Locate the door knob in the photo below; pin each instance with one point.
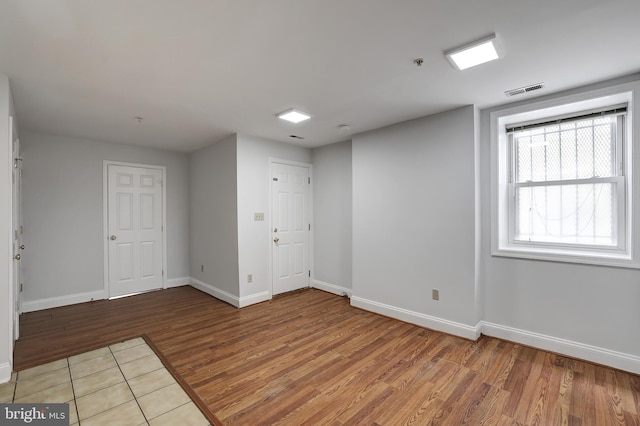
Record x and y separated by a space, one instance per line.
276 239
22 247
113 237
17 256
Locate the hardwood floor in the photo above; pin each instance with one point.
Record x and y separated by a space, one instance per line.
310 358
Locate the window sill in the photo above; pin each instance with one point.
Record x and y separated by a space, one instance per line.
619 260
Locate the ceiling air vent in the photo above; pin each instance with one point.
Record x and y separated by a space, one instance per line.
524 89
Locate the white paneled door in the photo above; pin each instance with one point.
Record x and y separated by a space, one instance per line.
290 227
134 229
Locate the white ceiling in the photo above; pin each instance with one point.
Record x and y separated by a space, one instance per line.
200 70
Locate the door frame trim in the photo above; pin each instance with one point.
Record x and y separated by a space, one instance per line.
13 312
16 188
105 217
309 167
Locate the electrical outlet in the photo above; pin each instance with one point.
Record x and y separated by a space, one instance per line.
250 278
435 294
258 217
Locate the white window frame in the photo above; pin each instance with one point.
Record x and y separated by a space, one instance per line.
627 254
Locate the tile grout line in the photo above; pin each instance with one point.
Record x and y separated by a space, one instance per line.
126 380
174 409
160 388
73 391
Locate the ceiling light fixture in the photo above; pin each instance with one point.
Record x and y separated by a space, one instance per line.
475 53
294 115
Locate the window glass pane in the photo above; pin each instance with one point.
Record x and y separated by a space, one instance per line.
584 145
603 148
523 158
568 142
553 156
538 158
575 214
574 150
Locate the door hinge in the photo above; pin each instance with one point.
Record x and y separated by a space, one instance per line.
309 181
21 287
17 306
309 272
163 272
309 227
275 179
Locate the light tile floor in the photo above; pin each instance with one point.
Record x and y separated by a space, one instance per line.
122 384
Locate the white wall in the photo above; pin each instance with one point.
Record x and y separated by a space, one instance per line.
214 223
414 221
63 213
253 196
332 219
6 250
564 303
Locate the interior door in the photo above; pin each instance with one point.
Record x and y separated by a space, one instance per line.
290 227
18 245
134 229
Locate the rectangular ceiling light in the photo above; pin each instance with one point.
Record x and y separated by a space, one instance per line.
294 116
475 53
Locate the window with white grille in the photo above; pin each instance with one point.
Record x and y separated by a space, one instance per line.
562 178
567 181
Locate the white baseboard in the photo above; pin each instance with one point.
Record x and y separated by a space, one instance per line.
423 320
252 299
72 299
54 302
570 348
178 282
238 302
331 288
215 292
5 372
622 361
